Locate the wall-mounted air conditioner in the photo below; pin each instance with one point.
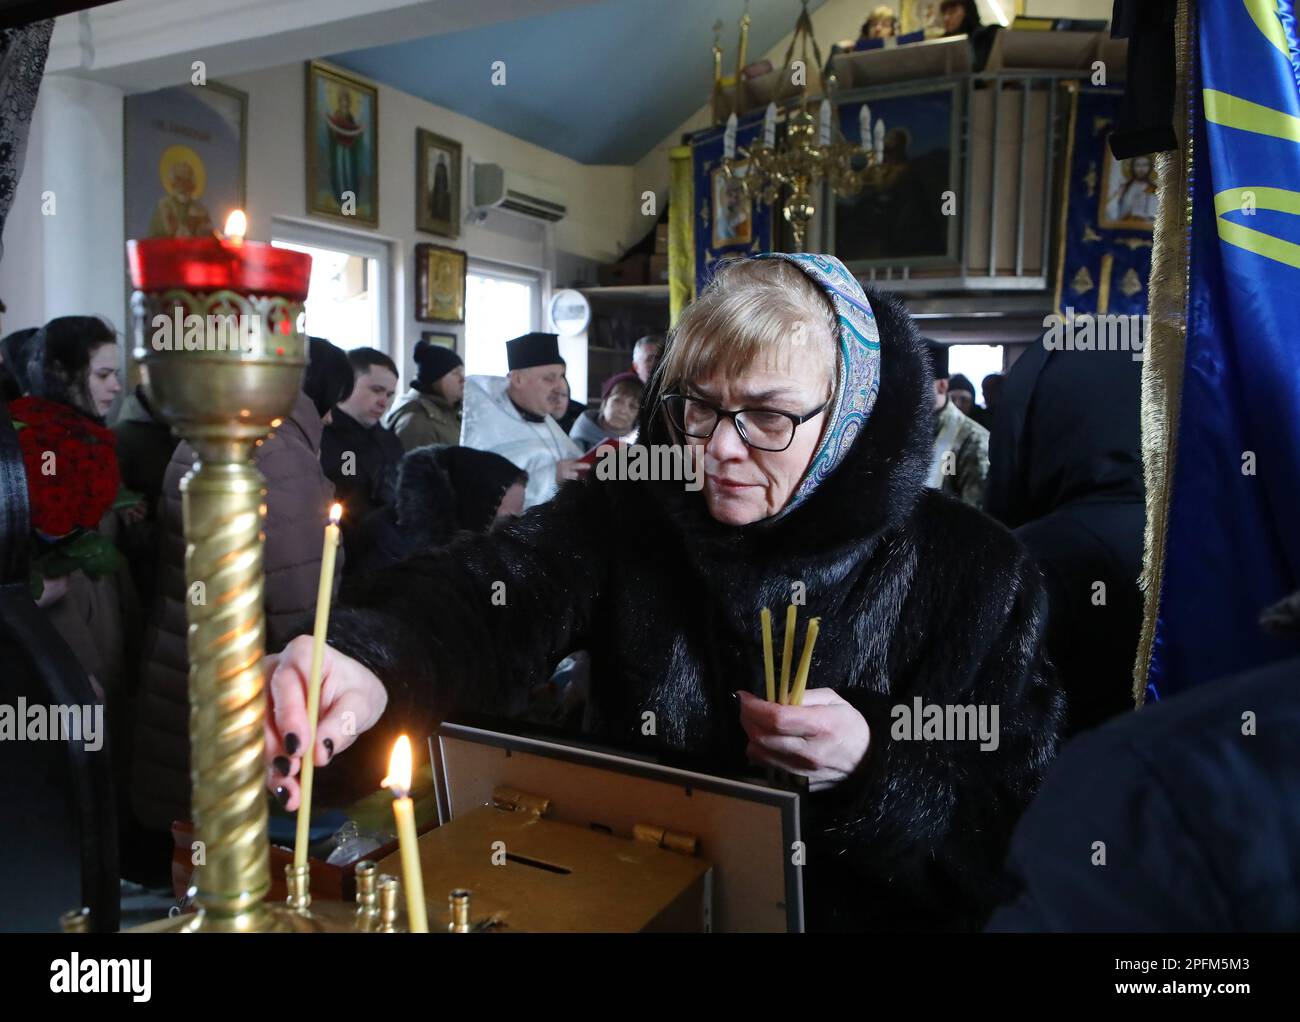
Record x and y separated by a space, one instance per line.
494 187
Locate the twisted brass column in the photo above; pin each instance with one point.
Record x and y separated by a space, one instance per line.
224 400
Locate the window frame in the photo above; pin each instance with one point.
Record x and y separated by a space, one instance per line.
295 232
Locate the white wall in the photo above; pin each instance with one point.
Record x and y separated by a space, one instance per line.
74 262
63 251
603 216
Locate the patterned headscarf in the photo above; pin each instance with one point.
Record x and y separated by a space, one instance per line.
858 379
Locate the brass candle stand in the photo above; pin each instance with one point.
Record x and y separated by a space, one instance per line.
224 400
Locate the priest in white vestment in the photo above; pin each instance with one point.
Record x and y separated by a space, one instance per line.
508 416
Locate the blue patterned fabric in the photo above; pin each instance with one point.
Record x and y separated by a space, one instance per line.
1232 547
859 365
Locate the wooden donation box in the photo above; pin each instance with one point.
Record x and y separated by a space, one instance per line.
550 837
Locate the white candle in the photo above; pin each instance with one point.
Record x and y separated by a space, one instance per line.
399 782
769 125
864 125
824 134
880 140
324 591
729 139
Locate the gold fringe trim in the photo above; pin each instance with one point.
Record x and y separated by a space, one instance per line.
681 232
1166 348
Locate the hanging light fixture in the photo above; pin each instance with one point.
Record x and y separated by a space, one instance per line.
813 148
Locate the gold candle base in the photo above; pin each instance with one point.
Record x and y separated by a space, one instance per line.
224 400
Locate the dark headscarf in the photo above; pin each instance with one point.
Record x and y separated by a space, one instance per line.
1067 429
479 479
329 376
14 352
58 360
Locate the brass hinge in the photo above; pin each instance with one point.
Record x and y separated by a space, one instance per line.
513 800
672 840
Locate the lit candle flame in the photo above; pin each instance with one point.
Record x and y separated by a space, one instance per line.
236 226
399 768
336 514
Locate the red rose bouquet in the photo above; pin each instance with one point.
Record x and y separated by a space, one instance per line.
72 482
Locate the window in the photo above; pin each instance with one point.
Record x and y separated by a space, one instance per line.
500 303
975 361
347 302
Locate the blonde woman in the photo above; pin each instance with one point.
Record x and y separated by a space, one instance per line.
808 403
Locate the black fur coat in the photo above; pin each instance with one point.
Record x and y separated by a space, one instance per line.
918 594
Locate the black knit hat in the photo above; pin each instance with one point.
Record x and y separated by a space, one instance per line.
433 362
535 349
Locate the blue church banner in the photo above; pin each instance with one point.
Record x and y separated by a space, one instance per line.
1104 260
726 222
1233 545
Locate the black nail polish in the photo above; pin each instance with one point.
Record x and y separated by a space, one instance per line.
281 763
291 743
329 747
282 795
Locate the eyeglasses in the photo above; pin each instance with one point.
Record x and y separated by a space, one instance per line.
763 429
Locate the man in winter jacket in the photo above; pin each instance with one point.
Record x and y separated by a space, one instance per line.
430 412
357 454
510 416
960 461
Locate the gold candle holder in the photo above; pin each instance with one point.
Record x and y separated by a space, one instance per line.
458 902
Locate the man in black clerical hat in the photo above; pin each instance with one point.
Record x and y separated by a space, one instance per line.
509 416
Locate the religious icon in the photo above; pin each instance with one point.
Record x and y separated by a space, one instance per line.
1128 193
437 193
732 216
439 284
190 141
179 213
342 146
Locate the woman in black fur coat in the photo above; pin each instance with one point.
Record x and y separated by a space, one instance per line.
819 488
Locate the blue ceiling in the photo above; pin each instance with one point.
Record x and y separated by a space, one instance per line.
602 84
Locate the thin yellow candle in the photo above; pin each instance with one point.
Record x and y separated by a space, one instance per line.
801 679
769 673
787 653
324 592
399 781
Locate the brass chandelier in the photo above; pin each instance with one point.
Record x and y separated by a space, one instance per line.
813 149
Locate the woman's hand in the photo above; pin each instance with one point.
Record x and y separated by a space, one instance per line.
823 740
352 700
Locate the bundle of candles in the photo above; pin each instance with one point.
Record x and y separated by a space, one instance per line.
399 778
787 696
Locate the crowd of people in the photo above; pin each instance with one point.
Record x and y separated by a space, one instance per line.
865 474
